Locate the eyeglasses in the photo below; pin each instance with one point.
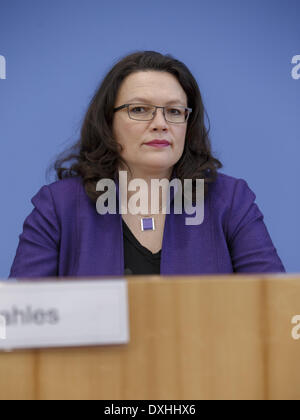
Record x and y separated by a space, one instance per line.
143 112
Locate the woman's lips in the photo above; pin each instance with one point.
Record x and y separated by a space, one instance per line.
158 143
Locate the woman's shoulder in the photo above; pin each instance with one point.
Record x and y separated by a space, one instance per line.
231 190
225 180
66 186
62 194
228 182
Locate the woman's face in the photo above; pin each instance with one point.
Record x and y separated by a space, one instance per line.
155 88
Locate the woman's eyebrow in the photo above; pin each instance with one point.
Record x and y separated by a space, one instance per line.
146 101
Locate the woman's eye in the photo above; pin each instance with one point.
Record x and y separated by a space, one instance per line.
139 109
175 111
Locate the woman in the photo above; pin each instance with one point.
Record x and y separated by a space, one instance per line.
147 120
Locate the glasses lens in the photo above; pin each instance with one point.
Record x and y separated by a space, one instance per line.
141 112
176 114
144 112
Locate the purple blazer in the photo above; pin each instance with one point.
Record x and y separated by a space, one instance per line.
65 236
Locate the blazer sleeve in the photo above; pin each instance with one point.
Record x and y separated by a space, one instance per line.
38 250
249 242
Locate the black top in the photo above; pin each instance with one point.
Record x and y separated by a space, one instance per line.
137 258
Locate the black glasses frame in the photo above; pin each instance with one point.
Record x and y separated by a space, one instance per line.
154 113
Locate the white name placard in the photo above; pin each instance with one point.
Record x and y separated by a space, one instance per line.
62 314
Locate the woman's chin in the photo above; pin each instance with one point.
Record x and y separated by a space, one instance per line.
149 165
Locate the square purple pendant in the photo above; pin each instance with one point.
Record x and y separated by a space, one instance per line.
147 223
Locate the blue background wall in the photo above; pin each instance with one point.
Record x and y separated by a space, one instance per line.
240 52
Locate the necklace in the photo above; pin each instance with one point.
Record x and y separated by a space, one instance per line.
147 223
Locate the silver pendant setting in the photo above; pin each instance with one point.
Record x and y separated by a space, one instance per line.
147 223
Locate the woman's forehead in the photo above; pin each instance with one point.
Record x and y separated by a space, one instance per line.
152 85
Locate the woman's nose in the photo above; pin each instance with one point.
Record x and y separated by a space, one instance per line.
159 118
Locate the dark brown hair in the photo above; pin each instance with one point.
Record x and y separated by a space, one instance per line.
96 155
